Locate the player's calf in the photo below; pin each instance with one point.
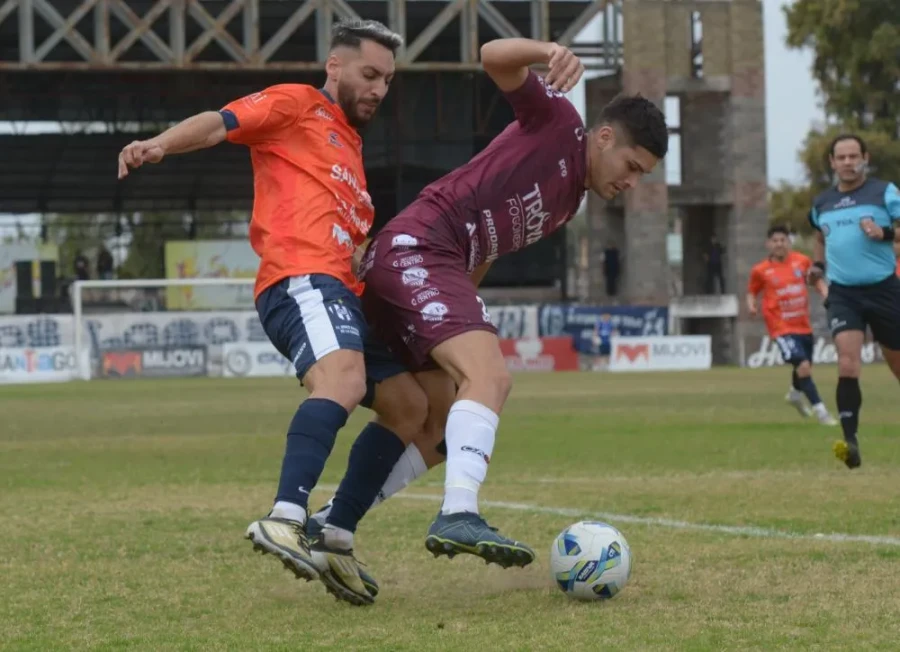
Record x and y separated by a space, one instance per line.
403 407
892 357
475 364
849 397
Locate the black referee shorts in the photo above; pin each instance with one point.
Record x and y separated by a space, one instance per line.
853 307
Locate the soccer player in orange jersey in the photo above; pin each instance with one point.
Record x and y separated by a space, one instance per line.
781 279
311 212
897 253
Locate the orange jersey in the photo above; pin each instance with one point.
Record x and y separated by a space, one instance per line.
785 304
898 267
310 206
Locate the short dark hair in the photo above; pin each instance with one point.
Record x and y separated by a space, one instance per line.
641 120
778 228
351 33
842 137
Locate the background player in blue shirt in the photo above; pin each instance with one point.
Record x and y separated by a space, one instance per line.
857 223
601 340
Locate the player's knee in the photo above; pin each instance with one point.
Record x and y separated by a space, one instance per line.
340 377
495 384
804 369
848 364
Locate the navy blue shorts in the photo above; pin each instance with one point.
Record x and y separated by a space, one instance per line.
795 349
308 317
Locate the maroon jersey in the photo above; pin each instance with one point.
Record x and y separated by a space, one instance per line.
528 182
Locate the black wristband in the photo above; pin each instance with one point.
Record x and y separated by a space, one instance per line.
889 233
819 265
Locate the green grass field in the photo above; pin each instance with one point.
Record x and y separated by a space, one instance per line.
124 506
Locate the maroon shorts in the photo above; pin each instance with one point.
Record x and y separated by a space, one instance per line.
418 296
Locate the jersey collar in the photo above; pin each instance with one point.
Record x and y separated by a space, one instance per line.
326 94
330 99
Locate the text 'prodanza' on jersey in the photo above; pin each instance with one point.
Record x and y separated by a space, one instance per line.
852 257
311 209
527 183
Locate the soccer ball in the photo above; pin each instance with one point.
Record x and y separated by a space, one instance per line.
590 561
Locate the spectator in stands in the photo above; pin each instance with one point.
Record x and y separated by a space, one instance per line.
104 263
81 266
611 269
714 266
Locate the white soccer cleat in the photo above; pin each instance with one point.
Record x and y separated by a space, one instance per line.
795 398
824 418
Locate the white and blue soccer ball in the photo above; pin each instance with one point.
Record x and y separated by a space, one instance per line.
590 561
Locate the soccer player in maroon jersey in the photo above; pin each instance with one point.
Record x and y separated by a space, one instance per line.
422 270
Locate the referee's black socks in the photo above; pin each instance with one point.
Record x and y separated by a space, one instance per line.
849 401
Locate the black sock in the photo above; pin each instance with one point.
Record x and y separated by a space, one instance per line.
310 439
808 387
795 380
849 401
372 459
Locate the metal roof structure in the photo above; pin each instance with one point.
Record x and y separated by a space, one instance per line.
278 34
132 66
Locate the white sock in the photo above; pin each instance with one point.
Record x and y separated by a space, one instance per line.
820 408
471 429
409 467
290 511
336 537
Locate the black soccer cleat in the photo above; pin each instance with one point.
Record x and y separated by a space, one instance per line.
466 532
848 453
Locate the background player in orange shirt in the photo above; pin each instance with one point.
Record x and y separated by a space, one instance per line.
781 278
897 253
311 212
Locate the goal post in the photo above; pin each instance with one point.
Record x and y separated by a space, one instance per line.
181 308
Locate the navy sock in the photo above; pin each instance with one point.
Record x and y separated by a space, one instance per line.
795 381
808 387
310 439
372 458
849 401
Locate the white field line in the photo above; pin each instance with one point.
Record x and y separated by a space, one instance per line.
613 519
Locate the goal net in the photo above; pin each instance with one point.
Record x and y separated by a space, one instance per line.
170 327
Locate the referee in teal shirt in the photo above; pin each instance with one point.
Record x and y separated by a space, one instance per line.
857 222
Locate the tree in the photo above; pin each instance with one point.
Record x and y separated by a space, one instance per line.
857 58
789 206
